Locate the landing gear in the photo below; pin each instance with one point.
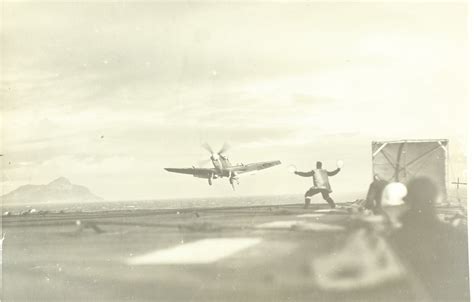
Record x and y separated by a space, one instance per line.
233 180
209 179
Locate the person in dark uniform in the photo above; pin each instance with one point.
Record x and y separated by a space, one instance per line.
320 184
373 201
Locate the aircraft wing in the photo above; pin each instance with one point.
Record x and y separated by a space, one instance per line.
255 167
197 172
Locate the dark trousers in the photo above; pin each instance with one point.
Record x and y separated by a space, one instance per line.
373 201
313 191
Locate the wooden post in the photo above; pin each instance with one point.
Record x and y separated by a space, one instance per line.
457 183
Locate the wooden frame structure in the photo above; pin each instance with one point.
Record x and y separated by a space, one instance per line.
405 159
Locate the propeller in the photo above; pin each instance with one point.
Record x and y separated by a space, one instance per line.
224 149
207 147
210 150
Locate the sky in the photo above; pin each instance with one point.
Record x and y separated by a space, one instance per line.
109 93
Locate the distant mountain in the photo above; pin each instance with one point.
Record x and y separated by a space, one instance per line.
60 190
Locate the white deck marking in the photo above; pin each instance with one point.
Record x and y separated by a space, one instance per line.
335 211
318 227
279 224
375 219
310 215
197 252
300 225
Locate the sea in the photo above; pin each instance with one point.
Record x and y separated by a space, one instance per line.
190 203
166 204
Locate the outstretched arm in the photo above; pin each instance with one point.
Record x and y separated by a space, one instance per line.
305 174
332 173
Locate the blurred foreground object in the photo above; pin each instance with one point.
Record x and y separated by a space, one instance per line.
365 261
393 194
435 251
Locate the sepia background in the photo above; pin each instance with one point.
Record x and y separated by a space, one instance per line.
98 97
108 93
